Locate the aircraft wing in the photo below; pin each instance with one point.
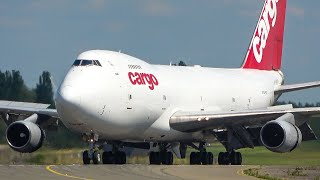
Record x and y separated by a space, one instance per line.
11 111
296 87
195 121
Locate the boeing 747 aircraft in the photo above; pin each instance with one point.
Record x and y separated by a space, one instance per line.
116 99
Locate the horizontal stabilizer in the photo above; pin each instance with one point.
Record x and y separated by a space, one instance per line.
296 87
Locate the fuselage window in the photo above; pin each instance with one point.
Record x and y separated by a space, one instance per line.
77 62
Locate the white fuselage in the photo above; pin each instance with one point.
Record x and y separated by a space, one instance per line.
129 99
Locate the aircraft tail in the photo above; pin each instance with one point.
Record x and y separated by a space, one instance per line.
265 50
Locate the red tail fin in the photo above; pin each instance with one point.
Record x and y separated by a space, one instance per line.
265 50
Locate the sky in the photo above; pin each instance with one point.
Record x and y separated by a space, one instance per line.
37 35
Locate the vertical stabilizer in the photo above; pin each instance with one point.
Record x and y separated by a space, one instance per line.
265 50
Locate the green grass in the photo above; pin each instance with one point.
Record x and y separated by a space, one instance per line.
308 153
255 173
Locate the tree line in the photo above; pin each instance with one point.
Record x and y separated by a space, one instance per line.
13 88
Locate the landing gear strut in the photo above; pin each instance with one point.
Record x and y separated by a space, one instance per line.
203 157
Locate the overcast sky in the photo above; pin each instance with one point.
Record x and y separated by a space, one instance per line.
48 35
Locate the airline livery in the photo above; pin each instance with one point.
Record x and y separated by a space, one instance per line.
119 100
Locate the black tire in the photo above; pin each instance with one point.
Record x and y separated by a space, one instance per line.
96 158
170 156
240 158
220 158
154 158
167 158
157 158
85 157
236 158
223 158
192 157
151 158
123 157
198 158
107 157
118 158
204 158
210 158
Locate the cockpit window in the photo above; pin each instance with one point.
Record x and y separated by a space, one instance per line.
98 63
80 62
77 62
86 62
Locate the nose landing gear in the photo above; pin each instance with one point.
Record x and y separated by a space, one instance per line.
91 154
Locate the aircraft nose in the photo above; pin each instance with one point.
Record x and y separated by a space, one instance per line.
69 95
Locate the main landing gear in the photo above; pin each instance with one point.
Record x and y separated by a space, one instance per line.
91 154
162 157
114 157
203 157
233 158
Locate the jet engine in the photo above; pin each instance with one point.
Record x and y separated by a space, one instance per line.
281 135
24 136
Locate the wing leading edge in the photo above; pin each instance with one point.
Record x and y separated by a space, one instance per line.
196 121
11 111
296 87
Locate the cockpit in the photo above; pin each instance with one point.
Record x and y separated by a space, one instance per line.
82 62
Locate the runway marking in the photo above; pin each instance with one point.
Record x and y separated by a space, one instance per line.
48 168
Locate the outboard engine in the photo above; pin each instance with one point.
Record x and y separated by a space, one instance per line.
281 135
24 136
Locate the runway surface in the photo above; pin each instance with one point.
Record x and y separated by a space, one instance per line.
131 171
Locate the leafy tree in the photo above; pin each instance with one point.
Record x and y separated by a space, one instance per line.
181 63
44 93
12 87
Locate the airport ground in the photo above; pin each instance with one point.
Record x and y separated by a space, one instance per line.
303 163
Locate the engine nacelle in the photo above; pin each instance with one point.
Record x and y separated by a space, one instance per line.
24 136
280 136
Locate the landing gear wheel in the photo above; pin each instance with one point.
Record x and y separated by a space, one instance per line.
236 158
195 158
204 158
223 158
107 157
154 158
85 157
96 158
207 158
192 162
120 157
167 158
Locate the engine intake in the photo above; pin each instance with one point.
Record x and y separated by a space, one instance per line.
281 135
25 137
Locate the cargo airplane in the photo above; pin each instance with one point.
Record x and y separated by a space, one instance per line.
122 101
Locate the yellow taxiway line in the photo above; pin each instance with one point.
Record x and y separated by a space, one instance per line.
48 168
